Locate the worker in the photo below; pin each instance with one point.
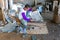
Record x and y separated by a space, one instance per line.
23 22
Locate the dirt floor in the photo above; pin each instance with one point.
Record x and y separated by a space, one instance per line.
13 36
53 31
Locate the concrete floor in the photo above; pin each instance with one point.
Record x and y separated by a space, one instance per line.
53 31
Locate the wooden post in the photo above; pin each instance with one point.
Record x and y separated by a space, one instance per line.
59 14
35 2
11 3
55 3
6 5
3 18
56 17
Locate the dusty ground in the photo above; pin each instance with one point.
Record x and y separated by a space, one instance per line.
53 34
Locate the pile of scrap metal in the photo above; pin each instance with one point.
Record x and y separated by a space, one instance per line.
8 28
9 16
14 18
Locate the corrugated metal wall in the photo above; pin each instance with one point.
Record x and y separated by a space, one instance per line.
43 1
25 1
29 1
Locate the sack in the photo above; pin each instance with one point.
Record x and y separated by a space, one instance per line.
36 16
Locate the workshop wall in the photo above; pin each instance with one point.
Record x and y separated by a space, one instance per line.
30 2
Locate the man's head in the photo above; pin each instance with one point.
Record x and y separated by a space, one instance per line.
26 7
39 3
